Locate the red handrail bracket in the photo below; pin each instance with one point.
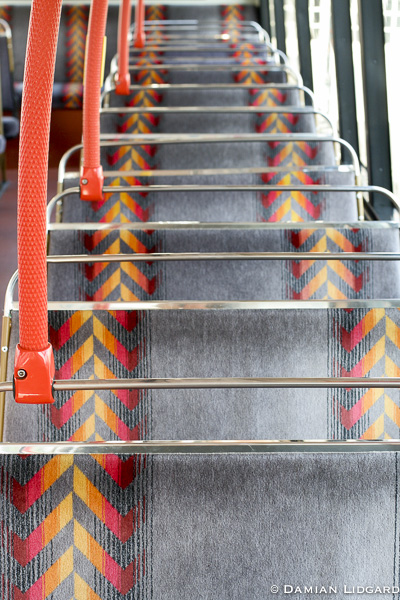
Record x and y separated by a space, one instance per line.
139 39
91 176
123 78
91 183
34 373
122 84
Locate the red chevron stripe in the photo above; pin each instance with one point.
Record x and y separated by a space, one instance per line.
24 496
123 472
128 320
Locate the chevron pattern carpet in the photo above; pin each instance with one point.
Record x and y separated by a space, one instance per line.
226 527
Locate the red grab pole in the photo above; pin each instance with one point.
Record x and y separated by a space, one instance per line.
34 362
139 39
123 78
91 177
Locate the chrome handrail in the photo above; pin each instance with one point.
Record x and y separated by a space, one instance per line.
266 188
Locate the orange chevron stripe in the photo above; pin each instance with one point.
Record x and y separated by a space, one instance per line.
269 98
26 550
393 332
26 495
128 359
121 526
68 329
60 416
49 582
77 360
344 273
349 418
85 431
108 287
122 579
341 240
148 285
312 286
112 421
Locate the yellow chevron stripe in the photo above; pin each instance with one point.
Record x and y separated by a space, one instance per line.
372 357
376 430
82 591
127 295
105 413
393 332
82 355
89 494
89 547
392 410
334 293
101 371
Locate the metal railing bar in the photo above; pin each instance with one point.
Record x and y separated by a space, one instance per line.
224 37
110 87
111 140
228 188
202 447
213 256
209 305
215 109
256 67
257 48
212 383
242 226
192 172
295 110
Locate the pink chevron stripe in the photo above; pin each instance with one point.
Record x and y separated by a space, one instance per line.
350 339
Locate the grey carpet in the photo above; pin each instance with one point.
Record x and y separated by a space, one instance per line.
235 280
227 343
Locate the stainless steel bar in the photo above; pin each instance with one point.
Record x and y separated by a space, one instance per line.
256 67
307 110
156 173
229 188
110 87
257 48
211 305
110 140
242 226
212 383
223 37
202 447
296 110
213 256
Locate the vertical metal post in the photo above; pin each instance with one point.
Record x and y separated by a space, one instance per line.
304 42
265 16
375 98
342 41
280 25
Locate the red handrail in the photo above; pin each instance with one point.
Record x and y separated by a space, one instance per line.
139 39
92 179
34 362
123 78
